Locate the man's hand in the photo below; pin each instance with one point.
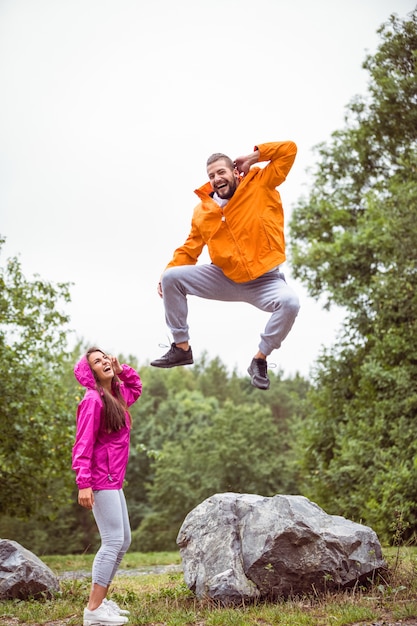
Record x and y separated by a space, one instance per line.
86 498
243 163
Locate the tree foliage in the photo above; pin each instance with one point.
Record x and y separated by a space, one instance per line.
195 444
355 243
35 435
347 441
195 431
235 448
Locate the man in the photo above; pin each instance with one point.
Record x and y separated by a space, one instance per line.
240 218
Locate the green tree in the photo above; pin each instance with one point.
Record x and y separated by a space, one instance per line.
355 243
36 420
238 448
195 431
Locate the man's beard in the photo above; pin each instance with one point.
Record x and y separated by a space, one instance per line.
231 188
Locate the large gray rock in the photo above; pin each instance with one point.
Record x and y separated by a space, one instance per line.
237 547
22 574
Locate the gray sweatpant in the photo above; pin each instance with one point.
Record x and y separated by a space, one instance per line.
269 292
112 519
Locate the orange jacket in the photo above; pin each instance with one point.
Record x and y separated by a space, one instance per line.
245 238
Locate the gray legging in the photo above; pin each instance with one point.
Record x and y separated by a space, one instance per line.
110 513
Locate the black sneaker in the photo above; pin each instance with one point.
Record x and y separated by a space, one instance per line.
175 356
257 370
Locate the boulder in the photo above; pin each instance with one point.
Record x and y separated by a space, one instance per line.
237 547
22 574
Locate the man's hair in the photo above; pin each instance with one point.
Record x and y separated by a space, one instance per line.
217 156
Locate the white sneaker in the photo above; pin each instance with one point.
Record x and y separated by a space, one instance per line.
115 607
103 615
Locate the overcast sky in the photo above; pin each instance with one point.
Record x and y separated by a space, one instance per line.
108 111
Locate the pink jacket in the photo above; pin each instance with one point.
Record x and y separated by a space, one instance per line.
99 458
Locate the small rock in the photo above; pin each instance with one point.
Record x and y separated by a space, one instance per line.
22 574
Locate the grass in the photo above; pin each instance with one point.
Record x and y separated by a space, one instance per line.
165 600
73 563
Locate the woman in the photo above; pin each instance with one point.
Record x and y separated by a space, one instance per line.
99 459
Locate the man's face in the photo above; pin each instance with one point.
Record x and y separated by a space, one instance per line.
223 179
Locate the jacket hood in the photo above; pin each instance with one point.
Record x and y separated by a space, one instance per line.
84 375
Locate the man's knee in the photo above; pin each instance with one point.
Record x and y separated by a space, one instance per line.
173 275
167 275
291 303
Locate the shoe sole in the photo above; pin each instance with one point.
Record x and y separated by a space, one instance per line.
102 622
169 365
116 620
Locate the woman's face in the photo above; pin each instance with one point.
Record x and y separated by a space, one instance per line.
101 365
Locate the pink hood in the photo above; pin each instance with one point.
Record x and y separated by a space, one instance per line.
84 375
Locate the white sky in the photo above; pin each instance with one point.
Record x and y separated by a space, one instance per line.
108 111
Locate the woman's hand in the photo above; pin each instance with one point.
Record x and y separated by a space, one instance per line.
117 368
86 498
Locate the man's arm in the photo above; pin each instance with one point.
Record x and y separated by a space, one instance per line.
187 254
281 156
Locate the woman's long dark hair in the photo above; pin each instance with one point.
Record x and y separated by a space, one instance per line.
115 406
